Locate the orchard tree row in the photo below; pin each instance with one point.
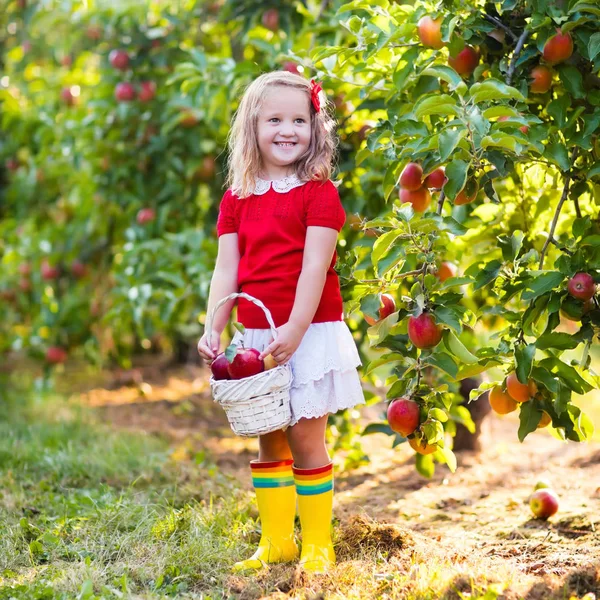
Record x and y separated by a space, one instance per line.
472 241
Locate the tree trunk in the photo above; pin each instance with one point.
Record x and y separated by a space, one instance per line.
479 409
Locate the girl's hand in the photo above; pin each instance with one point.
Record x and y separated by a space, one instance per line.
209 349
287 342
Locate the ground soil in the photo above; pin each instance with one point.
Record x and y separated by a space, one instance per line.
477 516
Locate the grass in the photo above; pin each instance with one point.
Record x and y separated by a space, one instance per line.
87 511
90 512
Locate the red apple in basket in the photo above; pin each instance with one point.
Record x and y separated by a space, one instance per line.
219 367
246 363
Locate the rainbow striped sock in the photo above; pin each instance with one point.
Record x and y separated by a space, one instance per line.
310 482
273 474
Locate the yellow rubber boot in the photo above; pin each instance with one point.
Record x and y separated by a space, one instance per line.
315 504
276 499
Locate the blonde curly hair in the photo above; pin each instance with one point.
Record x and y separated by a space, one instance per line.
244 161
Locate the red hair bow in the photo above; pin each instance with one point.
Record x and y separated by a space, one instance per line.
315 88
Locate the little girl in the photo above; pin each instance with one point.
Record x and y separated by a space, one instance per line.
277 226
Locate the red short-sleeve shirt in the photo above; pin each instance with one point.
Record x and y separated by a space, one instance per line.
271 230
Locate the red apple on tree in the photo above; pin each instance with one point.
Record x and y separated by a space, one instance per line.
543 503
411 177
423 331
147 91
119 59
291 67
447 269
465 61
386 307
66 95
12 164
145 215
270 19
521 392
25 284
124 92
246 363
94 32
56 355
420 199
206 171
189 119
558 48
48 271
219 367
541 79
436 179
403 416
468 193
430 32
420 445
78 269
66 60
582 286
25 269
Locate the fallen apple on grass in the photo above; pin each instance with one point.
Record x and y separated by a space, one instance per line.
543 503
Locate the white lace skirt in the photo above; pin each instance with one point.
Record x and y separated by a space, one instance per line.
324 368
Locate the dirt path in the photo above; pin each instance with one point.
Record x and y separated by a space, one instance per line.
477 517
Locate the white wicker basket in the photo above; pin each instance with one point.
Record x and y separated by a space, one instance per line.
258 404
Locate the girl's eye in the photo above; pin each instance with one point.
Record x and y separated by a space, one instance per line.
276 119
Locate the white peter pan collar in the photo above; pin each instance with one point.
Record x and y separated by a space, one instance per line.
282 186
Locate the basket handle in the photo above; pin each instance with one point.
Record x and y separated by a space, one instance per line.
211 315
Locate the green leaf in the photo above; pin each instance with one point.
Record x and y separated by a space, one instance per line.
436 105
524 355
425 465
501 110
449 458
568 374
448 316
456 172
448 75
529 418
557 341
383 360
558 153
542 284
594 46
511 246
487 274
240 328
378 428
444 362
383 245
230 352
506 141
370 305
594 170
493 89
572 80
439 414
448 140
405 67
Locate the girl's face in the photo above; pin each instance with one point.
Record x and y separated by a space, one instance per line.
283 130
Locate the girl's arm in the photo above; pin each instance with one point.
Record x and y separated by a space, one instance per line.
224 280
318 251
